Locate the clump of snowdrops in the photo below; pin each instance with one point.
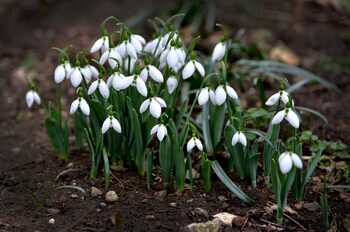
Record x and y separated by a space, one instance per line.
133 108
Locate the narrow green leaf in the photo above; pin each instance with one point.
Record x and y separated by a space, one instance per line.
229 184
106 167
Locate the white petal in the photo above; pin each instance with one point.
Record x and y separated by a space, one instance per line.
136 44
141 87
188 70
140 38
131 51
114 58
278 117
76 78
97 45
124 83
110 80
161 132
144 105
74 106
235 139
93 87
121 49
220 95
231 92
242 139
104 57
30 98
84 107
282 155
155 108
155 74
60 74
160 101
285 163
86 73
105 44
171 84
94 71
164 56
190 145
212 97
273 99
36 98
106 124
199 144
203 96
200 68
144 74
154 129
297 161
116 125
104 90
116 79
293 119
172 58
219 52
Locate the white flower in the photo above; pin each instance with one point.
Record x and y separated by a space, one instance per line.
135 80
155 105
171 84
113 58
221 95
194 142
219 52
126 65
102 87
153 72
166 41
126 49
290 116
172 56
76 76
204 95
137 42
111 122
32 97
286 161
239 137
114 78
154 47
80 103
86 72
161 131
102 43
191 67
93 70
283 95
62 72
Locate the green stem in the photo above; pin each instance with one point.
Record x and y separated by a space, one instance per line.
59 103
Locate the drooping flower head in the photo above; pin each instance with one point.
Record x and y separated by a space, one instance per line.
161 131
239 137
221 94
194 142
288 114
191 67
155 105
31 97
111 122
81 103
287 159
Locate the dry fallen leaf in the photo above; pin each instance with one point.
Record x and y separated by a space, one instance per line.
284 54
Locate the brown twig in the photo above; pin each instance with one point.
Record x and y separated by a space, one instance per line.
116 178
274 224
290 218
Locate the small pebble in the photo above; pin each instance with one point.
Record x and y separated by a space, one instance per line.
53 211
98 210
111 196
52 221
173 204
189 200
96 192
150 217
103 204
222 198
74 195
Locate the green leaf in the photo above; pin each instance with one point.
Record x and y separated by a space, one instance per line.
181 114
106 167
272 137
165 159
217 123
318 114
58 136
149 169
237 156
206 172
206 128
229 184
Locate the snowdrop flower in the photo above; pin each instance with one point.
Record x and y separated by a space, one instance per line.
173 56
102 87
80 103
87 74
204 95
165 41
154 47
61 72
281 95
191 67
113 58
126 65
194 142
114 78
172 84
153 72
109 123
161 131
290 116
155 105
239 137
137 42
76 76
31 97
221 94
100 44
219 51
134 80
286 161
93 70
126 49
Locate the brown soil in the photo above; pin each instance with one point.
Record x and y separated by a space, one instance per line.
29 163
